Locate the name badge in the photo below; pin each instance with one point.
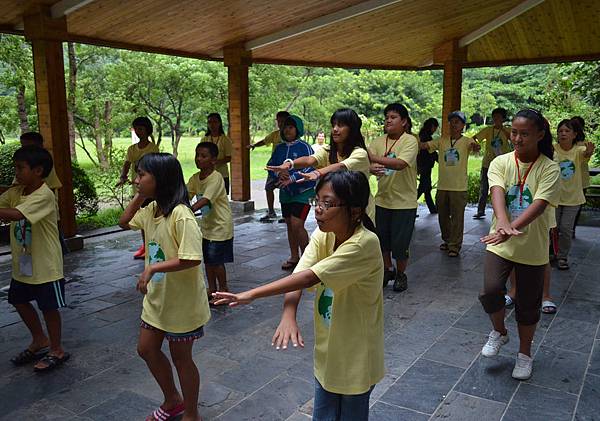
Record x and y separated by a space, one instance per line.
451 157
204 210
389 171
25 265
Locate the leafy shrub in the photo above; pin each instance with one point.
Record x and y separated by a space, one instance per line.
473 186
84 192
106 179
104 218
7 169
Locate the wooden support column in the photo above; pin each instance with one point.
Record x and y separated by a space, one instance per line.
46 35
452 57
238 61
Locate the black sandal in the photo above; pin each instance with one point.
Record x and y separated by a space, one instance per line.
27 356
52 361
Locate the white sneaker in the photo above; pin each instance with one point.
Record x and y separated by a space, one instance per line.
523 367
494 343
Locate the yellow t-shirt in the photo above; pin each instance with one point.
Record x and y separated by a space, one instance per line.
36 235
397 189
453 162
273 139
571 164
531 247
348 310
135 153
585 170
357 161
216 223
224 145
495 142
53 182
176 302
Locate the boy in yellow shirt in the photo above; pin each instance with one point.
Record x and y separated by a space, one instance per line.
394 162
497 142
273 139
208 187
37 264
451 197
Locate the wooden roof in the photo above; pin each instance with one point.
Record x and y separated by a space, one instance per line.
394 34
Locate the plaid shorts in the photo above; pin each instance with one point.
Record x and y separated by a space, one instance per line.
177 337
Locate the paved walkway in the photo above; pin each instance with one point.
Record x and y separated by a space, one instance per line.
434 333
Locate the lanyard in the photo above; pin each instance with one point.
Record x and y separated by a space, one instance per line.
522 182
391 147
455 140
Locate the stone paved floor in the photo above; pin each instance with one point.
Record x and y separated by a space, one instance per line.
434 333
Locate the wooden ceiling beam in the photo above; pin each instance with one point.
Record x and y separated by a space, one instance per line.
320 22
66 7
498 22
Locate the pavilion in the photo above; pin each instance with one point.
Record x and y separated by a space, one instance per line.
376 34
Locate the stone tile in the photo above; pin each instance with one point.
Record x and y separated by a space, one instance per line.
215 399
475 320
43 410
456 347
594 367
573 335
382 411
460 407
401 350
559 369
252 374
298 416
126 405
578 309
512 347
585 288
489 378
588 407
423 386
285 395
540 404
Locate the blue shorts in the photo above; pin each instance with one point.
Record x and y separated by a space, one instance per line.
177 337
49 295
217 252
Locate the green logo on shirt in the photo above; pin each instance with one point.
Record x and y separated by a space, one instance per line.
567 169
156 255
513 201
451 157
23 232
325 306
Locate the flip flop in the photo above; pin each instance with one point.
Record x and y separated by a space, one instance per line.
443 246
563 264
288 265
26 356
52 362
452 253
548 307
160 414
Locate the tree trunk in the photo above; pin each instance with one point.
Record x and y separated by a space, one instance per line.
108 131
98 141
22 110
71 98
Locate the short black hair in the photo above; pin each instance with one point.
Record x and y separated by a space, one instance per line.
34 137
144 122
213 149
501 111
398 108
35 156
218 117
282 114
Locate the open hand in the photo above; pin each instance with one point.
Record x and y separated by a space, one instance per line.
285 332
311 176
377 169
285 167
231 299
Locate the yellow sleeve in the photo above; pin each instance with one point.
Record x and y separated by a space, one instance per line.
409 153
141 216
53 181
581 151
187 234
191 186
6 198
311 253
482 134
227 146
496 173
351 262
38 205
214 189
433 145
155 148
357 160
548 186
129 157
322 157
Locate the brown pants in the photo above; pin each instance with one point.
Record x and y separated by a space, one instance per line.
530 286
451 215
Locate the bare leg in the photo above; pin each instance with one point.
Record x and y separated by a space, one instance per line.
547 296
300 233
54 327
497 319
387 259
270 200
32 321
221 276
211 277
149 345
189 378
292 240
401 265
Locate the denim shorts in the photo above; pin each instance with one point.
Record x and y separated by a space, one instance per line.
329 406
217 252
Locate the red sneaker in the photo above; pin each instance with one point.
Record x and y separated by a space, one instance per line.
140 253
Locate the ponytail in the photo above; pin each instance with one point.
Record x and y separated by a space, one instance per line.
545 145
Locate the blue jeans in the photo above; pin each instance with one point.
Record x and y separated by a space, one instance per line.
330 406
